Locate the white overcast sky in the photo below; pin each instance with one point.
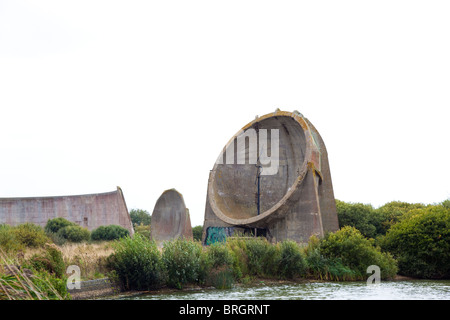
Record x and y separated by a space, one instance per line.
144 94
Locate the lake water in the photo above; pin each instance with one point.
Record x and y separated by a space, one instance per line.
386 290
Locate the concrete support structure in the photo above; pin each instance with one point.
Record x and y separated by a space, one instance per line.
88 210
170 218
294 199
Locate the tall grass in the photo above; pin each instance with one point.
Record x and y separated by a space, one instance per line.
137 263
16 284
91 258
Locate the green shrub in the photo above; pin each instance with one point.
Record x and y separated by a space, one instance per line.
51 261
137 263
74 233
30 235
291 262
197 233
108 233
57 238
140 216
393 212
221 278
238 250
54 225
219 255
348 248
183 262
8 242
143 230
361 216
421 243
219 266
446 204
326 268
262 257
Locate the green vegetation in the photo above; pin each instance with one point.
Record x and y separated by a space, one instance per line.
51 261
137 263
421 243
74 234
141 220
108 233
291 262
28 235
416 235
398 237
182 260
41 277
355 252
54 225
140 217
61 230
197 233
361 216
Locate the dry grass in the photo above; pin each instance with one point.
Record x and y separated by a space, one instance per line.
90 257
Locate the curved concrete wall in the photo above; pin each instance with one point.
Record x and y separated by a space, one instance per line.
89 210
295 201
170 217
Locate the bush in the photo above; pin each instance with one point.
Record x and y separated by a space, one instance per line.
143 230
291 262
13 239
183 262
8 242
320 267
347 247
30 235
238 250
219 255
197 233
219 264
421 243
393 212
262 257
108 233
446 204
137 263
139 216
52 261
361 216
74 233
54 225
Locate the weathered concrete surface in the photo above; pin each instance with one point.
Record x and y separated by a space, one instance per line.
170 218
89 210
295 203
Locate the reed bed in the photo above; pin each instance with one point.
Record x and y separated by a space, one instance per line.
18 284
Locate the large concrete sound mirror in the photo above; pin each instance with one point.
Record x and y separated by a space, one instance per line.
88 210
170 218
272 179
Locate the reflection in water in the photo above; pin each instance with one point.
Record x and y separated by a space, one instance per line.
387 290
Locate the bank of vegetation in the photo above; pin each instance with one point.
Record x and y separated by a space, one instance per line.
400 238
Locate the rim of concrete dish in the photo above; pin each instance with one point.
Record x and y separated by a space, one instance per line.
303 170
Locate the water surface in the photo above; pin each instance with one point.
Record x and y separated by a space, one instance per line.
386 290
